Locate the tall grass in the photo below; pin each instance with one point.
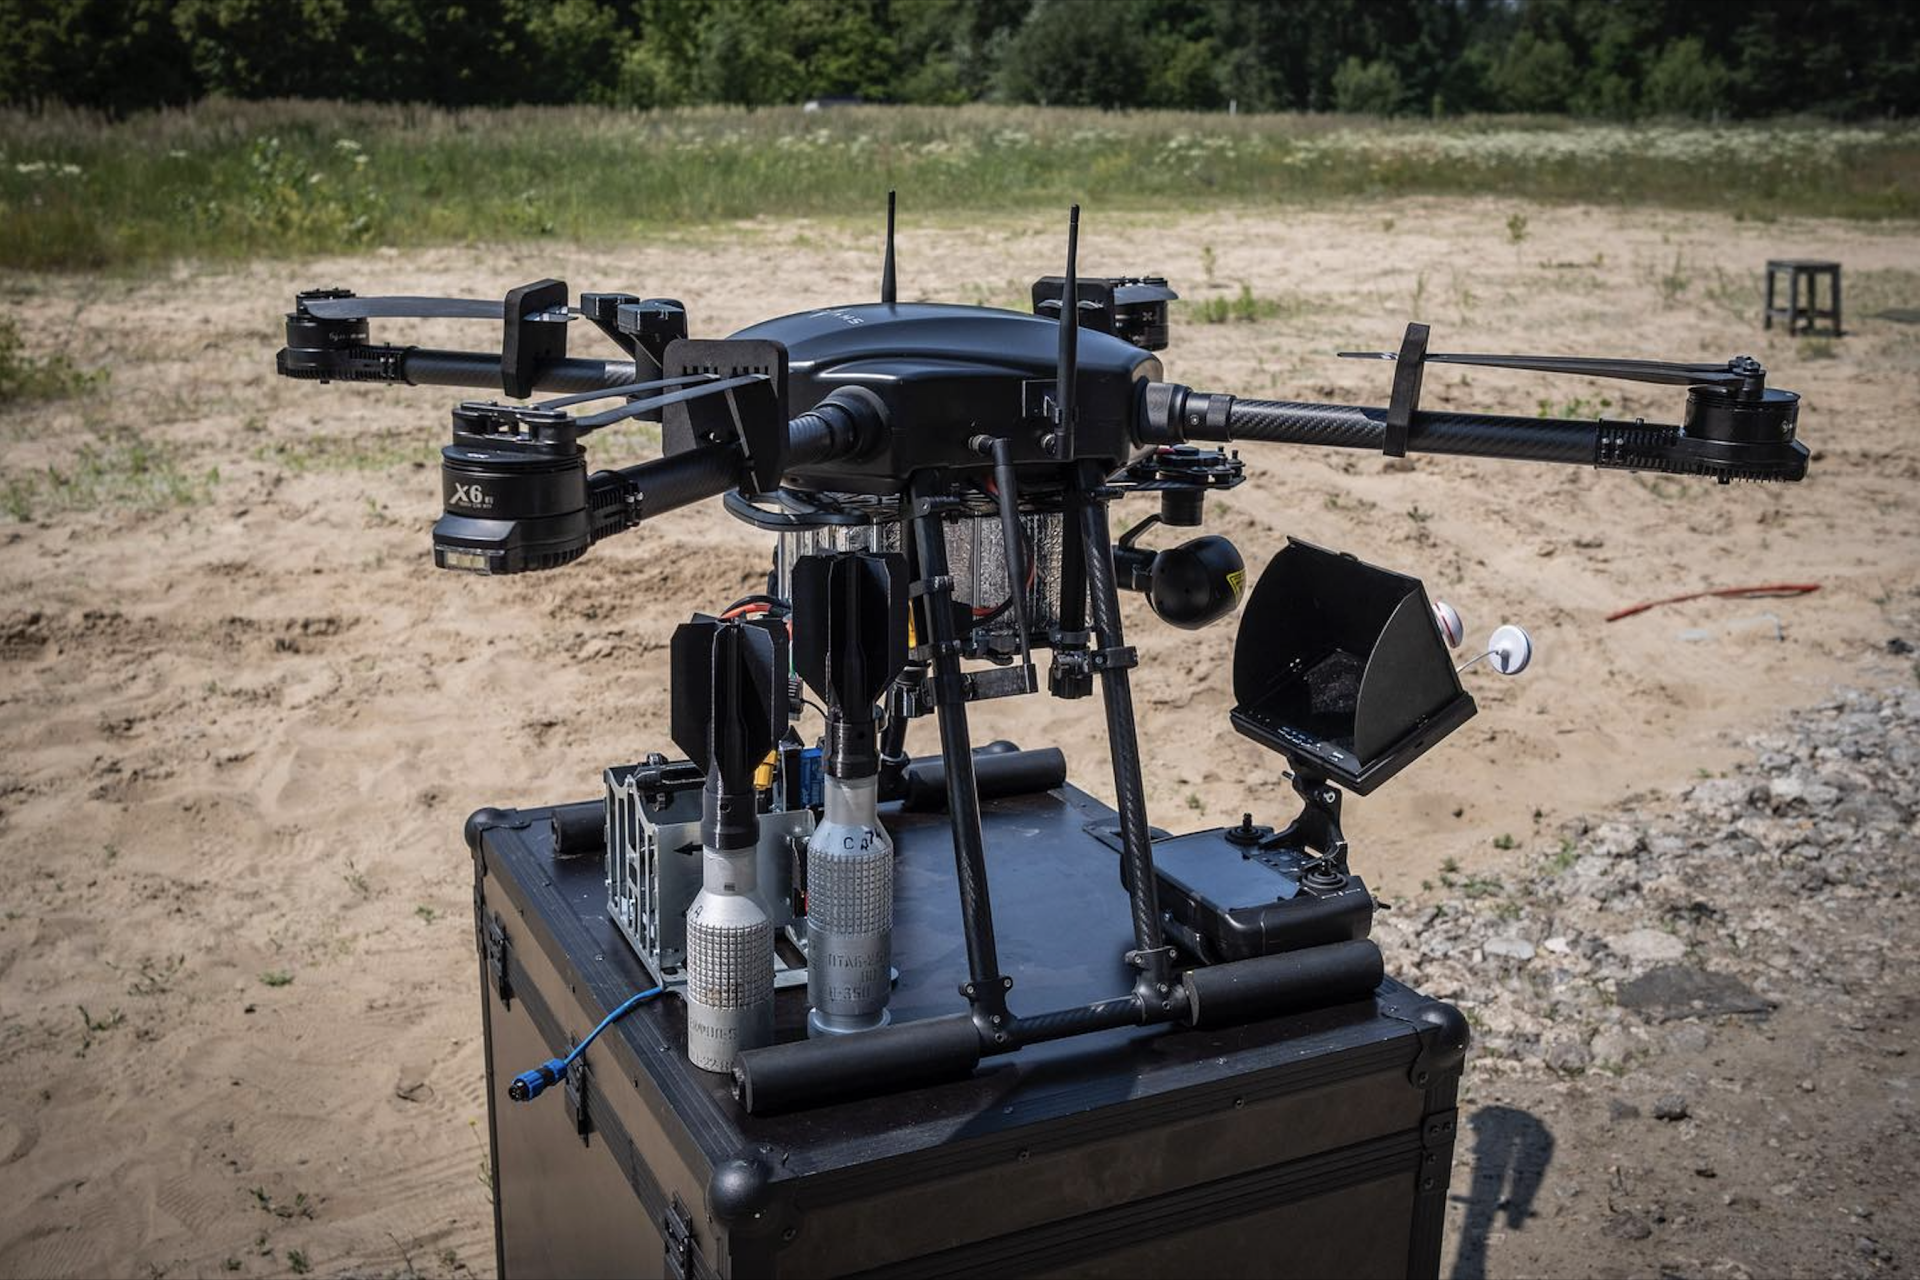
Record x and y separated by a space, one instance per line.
240 179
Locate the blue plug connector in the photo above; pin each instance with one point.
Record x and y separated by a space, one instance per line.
529 1085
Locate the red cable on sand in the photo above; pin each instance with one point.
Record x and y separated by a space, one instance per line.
1778 589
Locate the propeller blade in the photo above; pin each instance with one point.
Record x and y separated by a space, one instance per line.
1671 372
410 308
417 308
627 390
606 417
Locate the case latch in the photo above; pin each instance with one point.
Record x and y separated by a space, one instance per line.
677 1230
493 945
577 1098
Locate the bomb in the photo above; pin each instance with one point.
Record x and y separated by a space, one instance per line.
729 700
849 643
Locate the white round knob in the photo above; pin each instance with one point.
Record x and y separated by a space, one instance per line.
1510 649
1447 618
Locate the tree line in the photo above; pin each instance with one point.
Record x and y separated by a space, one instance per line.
1624 59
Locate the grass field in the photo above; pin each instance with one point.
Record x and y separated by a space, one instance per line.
250 179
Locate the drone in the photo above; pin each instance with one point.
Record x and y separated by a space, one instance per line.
938 481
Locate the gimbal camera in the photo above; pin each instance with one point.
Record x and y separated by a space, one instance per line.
938 479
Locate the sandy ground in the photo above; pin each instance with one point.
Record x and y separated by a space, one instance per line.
242 728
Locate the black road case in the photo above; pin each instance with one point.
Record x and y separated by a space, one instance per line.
1311 1145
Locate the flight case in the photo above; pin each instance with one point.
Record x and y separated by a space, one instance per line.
1311 1145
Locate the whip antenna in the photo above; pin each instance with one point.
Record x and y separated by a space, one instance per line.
888 293
1068 372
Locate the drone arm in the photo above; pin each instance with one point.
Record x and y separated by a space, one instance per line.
1173 414
622 498
618 500
420 366
1473 435
424 366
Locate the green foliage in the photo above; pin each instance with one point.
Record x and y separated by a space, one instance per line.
950 50
845 51
301 196
237 180
1367 88
1051 59
118 468
1848 58
1672 281
1534 75
1242 308
27 377
738 58
1685 80
119 55
1183 74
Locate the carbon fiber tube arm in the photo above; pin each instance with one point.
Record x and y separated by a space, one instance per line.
622 498
1723 440
424 366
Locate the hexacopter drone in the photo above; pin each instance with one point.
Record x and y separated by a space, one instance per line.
938 480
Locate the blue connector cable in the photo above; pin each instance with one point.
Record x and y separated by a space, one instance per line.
531 1084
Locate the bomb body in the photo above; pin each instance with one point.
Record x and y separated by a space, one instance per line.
729 963
849 912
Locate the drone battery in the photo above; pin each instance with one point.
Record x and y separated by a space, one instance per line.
977 556
795 544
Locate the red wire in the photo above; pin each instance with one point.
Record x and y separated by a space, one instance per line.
1776 589
757 606
1033 575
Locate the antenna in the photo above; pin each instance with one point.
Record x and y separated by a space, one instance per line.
888 293
1069 368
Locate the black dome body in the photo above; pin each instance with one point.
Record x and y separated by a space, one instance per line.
947 373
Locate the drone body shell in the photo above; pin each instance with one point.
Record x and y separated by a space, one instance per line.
948 373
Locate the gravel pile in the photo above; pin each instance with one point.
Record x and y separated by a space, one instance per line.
1791 881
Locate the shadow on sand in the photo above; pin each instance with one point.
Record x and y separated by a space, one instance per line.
1511 1152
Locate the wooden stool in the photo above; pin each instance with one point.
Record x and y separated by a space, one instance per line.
1802 315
